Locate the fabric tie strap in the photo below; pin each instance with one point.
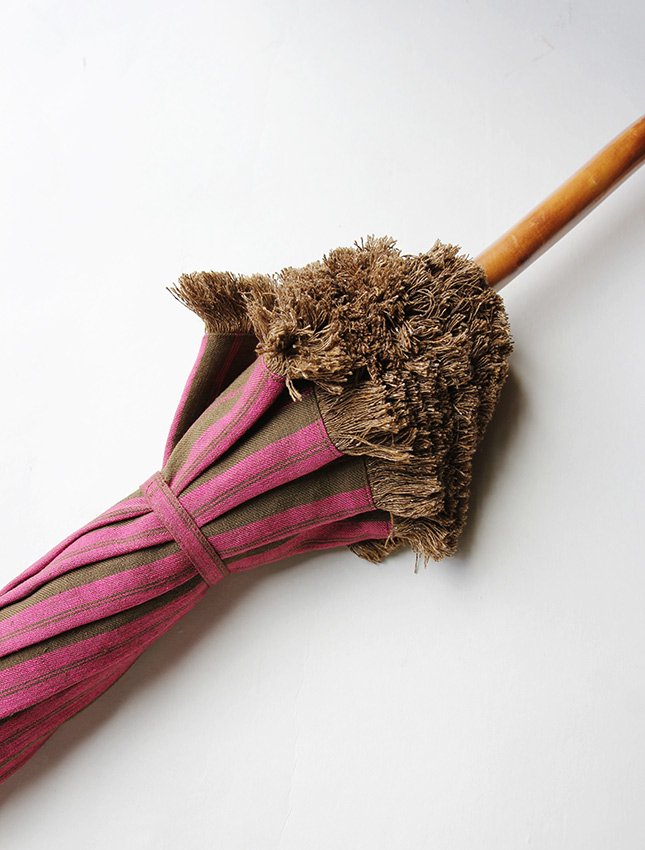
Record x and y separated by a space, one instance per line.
183 528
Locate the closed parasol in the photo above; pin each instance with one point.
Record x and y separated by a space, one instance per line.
339 404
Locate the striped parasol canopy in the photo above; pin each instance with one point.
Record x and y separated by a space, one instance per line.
339 404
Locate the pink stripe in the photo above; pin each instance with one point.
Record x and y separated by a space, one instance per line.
36 575
327 536
95 546
170 442
140 533
260 390
38 678
24 733
38 721
219 381
275 526
90 602
278 463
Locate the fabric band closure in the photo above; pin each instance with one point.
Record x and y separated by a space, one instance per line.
183 529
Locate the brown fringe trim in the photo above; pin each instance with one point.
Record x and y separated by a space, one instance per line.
222 299
408 355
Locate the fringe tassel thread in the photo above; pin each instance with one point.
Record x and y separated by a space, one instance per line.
407 354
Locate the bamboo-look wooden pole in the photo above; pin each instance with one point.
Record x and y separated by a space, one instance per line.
563 209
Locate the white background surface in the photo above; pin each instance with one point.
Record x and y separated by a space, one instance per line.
494 700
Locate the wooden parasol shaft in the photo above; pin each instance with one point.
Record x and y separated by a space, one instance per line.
563 209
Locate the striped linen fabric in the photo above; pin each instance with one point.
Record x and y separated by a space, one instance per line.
250 477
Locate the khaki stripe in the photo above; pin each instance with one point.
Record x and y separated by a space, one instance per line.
340 476
56 671
294 527
90 573
221 406
271 427
148 534
293 460
155 583
98 627
259 550
207 380
185 473
340 541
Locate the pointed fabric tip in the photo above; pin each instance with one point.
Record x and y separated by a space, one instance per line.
407 355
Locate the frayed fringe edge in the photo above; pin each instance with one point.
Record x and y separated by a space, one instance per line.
223 300
408 355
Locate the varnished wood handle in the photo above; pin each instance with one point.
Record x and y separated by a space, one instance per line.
562 210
